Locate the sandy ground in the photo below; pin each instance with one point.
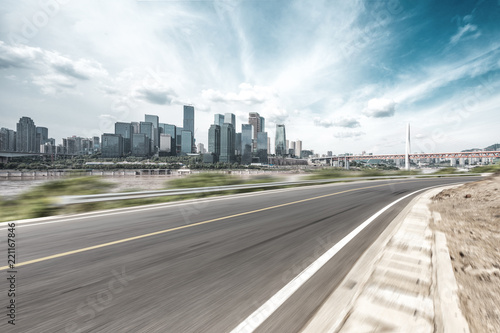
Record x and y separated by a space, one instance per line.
471 222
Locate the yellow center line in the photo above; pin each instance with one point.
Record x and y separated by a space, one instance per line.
186 226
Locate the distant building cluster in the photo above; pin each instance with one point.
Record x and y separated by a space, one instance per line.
150 137
153 138
252 144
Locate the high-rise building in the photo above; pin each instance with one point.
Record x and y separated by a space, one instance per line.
188 124
96 143
230 118
298 148
136 127
258 122
200 148
155 135
172 131
7 139
187 142
178 140
26 136
247 132
291 148
112 145
269 145
280 140
262 149
147 128
227 144
165 145
125 130
237 144
219 119
214 140
141 145
44 134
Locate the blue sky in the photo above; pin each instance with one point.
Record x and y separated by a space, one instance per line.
344 76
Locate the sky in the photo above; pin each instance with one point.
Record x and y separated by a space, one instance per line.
343 76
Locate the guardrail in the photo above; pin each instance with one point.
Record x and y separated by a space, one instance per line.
79 199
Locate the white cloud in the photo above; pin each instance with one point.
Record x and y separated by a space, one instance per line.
248 94
51 71
347 122
380 108
323 122
156 95
347 135
463 31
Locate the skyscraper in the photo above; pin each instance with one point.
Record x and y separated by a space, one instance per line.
187 142
247 132
147 129
155 135
219 119
237 143
227 144
44 134
178 140
111 145
280 140
7 139
257 121
230 118
291 148
298 148
26 136
125 130
262 147
188 124
214 141
140 144
172 131
136 127
165 145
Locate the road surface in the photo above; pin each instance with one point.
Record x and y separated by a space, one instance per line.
196 267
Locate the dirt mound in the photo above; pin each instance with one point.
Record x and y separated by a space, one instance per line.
471 222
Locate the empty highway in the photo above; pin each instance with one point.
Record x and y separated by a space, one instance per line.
202 266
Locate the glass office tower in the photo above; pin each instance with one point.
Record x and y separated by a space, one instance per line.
280 140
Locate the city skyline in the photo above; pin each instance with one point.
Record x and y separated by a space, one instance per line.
348 79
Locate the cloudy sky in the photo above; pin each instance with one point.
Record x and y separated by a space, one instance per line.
344 76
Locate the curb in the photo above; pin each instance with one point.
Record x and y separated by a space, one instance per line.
404 282
449 317
333 313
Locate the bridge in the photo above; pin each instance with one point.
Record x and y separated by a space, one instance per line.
5 155
332 160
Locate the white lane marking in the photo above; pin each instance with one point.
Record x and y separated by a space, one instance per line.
268 308
117 211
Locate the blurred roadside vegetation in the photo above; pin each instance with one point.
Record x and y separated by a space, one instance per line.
41 201
217 179
495 168
328 173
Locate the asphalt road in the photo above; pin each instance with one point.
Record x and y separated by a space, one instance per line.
197 267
